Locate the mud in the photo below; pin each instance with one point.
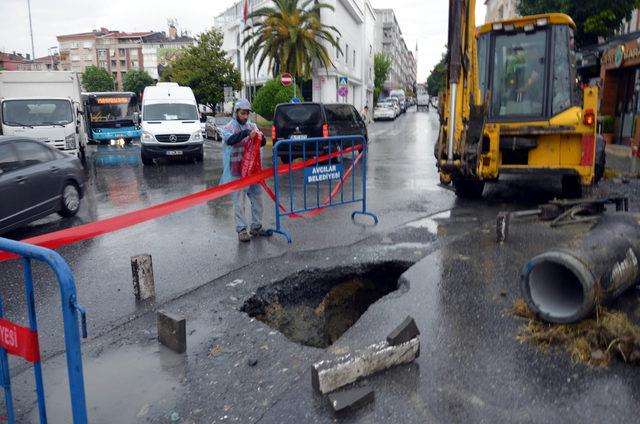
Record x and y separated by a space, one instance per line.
315 308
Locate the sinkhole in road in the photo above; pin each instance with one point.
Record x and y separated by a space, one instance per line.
315 307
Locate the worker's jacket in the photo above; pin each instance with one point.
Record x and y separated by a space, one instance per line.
234 138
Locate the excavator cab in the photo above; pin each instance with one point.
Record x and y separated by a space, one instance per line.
518 108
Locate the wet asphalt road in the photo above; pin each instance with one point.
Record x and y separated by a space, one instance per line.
471 368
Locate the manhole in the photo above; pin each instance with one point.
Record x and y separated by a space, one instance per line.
315 307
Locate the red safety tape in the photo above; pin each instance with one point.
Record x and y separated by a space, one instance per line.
323 205
19 341
90 230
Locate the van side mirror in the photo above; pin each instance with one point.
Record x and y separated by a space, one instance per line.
136 118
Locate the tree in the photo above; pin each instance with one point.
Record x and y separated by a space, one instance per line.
593 18
289 37
270 95
96 79
136 81
381 67
437 79
205 68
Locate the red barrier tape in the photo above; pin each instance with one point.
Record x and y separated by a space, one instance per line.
94 229
19 341
321 209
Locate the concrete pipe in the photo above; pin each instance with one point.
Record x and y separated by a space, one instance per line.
564 285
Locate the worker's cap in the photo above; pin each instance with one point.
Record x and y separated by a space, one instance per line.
242 104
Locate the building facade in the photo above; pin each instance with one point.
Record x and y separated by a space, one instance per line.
355 19
501 9
389 40
119 52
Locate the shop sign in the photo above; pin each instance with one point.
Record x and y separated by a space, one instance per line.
621 54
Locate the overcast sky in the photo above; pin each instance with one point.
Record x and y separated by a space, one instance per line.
421 21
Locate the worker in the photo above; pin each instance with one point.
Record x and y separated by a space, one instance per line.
235 135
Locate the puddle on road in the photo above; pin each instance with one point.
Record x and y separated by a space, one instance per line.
315 308
127 384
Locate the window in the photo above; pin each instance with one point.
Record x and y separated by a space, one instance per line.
339 114
291 116
563 69
33 153
519 72
8 158
170 112
121 52
354 58
123 63
338 48
87 45
36 112
346 49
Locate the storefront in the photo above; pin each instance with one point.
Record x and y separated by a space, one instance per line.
620 106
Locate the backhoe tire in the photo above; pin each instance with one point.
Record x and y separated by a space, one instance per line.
467 188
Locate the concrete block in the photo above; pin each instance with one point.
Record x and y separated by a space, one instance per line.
347 400
404 332
329 375
172 331
142 271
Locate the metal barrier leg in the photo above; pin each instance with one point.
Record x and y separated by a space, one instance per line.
365 148
276 184
6 378
33 326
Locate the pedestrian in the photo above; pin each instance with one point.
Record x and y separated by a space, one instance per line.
365 114
235 136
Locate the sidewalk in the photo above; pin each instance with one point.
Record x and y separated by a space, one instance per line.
620 160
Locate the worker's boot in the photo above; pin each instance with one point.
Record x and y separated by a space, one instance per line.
244 236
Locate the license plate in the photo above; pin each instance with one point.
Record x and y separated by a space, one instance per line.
174 152
298 136
120 135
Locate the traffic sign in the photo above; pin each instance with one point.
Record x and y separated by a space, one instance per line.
343 81
343 91
286 79
296 100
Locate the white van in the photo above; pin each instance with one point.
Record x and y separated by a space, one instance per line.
170 123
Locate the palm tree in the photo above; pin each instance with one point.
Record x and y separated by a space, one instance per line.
290 36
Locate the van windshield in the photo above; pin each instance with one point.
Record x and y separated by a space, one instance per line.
170 112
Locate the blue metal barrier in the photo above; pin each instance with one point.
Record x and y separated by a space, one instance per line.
70 310
321 175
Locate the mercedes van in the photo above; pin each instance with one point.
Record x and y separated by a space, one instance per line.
170 123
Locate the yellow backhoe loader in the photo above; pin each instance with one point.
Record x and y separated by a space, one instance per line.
513 105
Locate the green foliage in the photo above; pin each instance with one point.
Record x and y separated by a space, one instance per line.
205 68
289 37
136 81
438 78
269 96
381 67
593 18
97 79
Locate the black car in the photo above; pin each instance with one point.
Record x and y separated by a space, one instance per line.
312 120
35 181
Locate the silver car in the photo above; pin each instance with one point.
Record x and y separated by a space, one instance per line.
213 125
35 181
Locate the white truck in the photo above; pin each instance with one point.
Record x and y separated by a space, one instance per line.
170 123
422 97
45 106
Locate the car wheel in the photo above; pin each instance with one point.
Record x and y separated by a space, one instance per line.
146 160
199 157
70 200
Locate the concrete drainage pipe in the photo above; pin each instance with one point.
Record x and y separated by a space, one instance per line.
564 285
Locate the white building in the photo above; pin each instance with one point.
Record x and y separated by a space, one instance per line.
389 40
501 9
355 19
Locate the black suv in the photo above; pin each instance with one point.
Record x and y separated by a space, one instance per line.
311 120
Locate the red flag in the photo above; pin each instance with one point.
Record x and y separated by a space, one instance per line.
246 11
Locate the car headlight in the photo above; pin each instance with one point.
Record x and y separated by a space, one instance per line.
70 141
146 137
196 136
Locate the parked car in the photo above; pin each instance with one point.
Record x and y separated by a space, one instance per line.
36 180
384 110
213 126
311 120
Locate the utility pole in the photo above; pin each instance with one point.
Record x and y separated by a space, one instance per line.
33 50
